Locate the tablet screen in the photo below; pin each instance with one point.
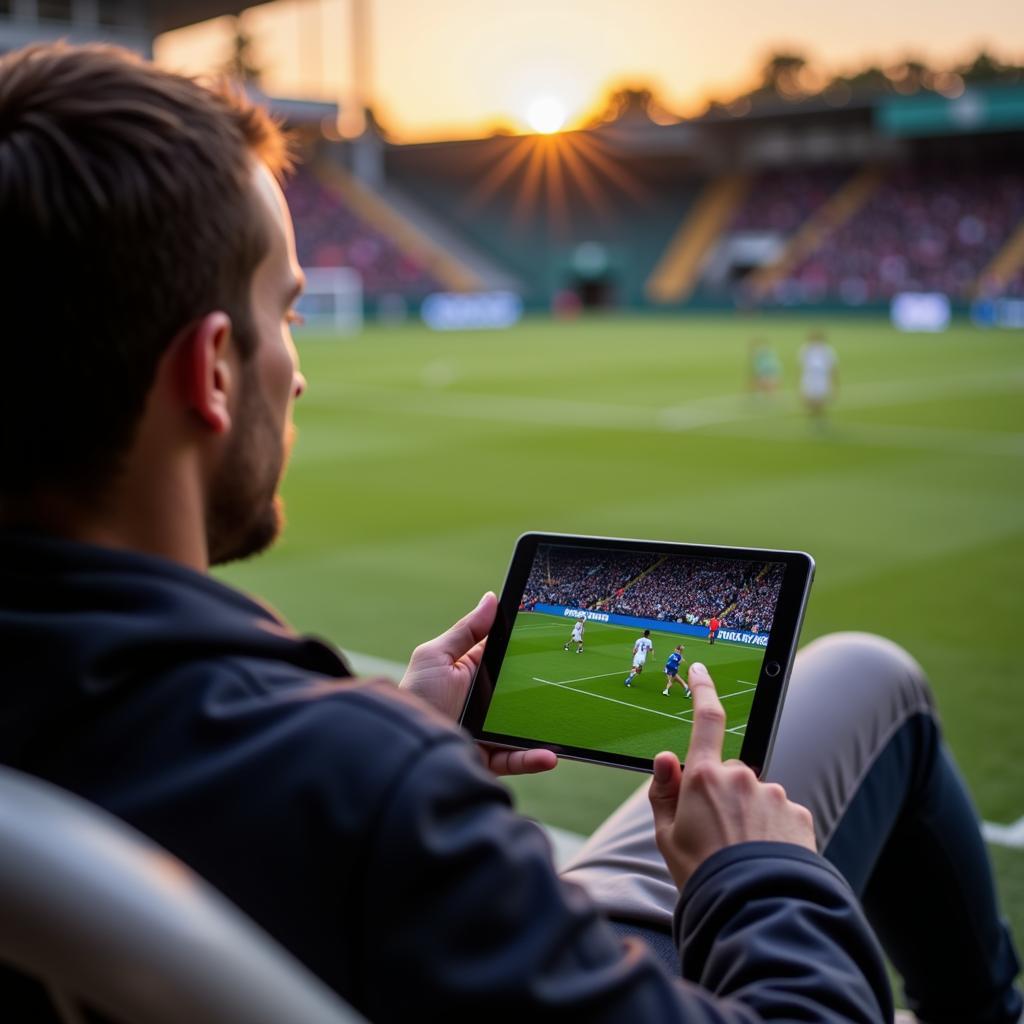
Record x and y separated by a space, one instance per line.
602 639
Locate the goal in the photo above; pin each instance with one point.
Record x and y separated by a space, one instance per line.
333 298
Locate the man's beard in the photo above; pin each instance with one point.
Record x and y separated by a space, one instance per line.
245 513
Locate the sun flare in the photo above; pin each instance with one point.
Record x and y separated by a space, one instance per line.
546 115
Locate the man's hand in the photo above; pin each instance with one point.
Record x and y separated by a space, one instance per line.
441 670
711 804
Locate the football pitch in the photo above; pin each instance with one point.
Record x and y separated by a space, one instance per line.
421 457
547 693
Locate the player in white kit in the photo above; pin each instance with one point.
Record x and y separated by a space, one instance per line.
641 649
576 638
818 375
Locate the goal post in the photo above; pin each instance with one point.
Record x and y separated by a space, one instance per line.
333 298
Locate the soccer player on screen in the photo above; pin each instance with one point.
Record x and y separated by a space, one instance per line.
713 624
576 638
675 659
641 649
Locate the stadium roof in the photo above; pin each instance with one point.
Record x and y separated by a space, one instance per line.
171 14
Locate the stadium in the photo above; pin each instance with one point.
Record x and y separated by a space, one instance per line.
564 332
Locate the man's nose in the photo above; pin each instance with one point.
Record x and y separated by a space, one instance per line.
298 385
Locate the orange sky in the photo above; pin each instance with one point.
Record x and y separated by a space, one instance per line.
449 68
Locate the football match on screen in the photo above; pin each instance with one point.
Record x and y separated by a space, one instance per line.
634 623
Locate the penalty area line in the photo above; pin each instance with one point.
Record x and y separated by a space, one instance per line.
724 696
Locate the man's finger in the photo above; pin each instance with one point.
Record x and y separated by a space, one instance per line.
664 789
708 717
521 762
469 630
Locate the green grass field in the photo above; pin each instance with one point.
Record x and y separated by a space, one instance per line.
547 693
421 457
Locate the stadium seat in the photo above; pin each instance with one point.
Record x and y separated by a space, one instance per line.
107 919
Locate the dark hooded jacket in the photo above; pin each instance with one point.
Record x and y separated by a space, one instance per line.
359 828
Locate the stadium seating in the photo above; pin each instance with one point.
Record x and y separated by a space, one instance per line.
328 233
655 587
781 200
928 227
529 208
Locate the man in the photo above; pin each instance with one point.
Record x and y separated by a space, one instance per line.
819 376
143 432
577 637
641 649
713 624
675 659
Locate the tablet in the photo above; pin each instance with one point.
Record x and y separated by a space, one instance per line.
594 636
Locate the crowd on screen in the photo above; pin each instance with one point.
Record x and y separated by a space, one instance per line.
328 233
924 229
671 589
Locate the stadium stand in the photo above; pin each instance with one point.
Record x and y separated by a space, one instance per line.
782 200
670 589
926 228
529 204
329 233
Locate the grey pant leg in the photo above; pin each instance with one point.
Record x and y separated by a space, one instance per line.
848 693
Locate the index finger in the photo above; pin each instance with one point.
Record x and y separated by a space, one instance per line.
708 717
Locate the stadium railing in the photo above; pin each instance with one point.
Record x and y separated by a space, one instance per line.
105 918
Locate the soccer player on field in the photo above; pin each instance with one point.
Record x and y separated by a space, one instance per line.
576 638
713 624
641 649
672 671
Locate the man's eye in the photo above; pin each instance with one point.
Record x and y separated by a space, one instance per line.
294 317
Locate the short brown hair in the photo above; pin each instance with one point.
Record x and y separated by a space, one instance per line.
126 213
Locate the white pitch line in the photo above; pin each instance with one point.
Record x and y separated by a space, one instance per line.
739 730
1004 835
601 696
583 679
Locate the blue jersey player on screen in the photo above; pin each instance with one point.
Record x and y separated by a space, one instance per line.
675 659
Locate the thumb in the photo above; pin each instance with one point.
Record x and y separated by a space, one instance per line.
469 630
664 789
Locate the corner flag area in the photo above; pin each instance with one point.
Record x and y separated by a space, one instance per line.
547 693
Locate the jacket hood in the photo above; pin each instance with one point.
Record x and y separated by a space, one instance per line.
77 622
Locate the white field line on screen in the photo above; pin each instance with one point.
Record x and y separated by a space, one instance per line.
721 696
583 679
739 730
558 623
601 696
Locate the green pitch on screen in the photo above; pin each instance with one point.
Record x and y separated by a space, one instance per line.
547 693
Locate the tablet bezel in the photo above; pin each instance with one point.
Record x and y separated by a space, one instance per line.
769 693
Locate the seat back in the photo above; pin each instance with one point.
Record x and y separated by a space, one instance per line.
102 915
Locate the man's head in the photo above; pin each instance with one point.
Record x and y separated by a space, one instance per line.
147 270
647 632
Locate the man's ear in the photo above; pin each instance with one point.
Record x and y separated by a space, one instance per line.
206 377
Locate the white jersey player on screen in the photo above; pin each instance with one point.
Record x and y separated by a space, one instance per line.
641 649
577 636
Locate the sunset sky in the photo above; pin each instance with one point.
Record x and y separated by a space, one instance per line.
454 68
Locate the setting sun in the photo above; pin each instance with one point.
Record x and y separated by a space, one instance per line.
546 115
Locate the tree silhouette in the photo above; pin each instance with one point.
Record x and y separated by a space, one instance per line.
242 64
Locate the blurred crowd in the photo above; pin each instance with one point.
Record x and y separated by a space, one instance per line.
926 228
782 200
670 589
328 233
